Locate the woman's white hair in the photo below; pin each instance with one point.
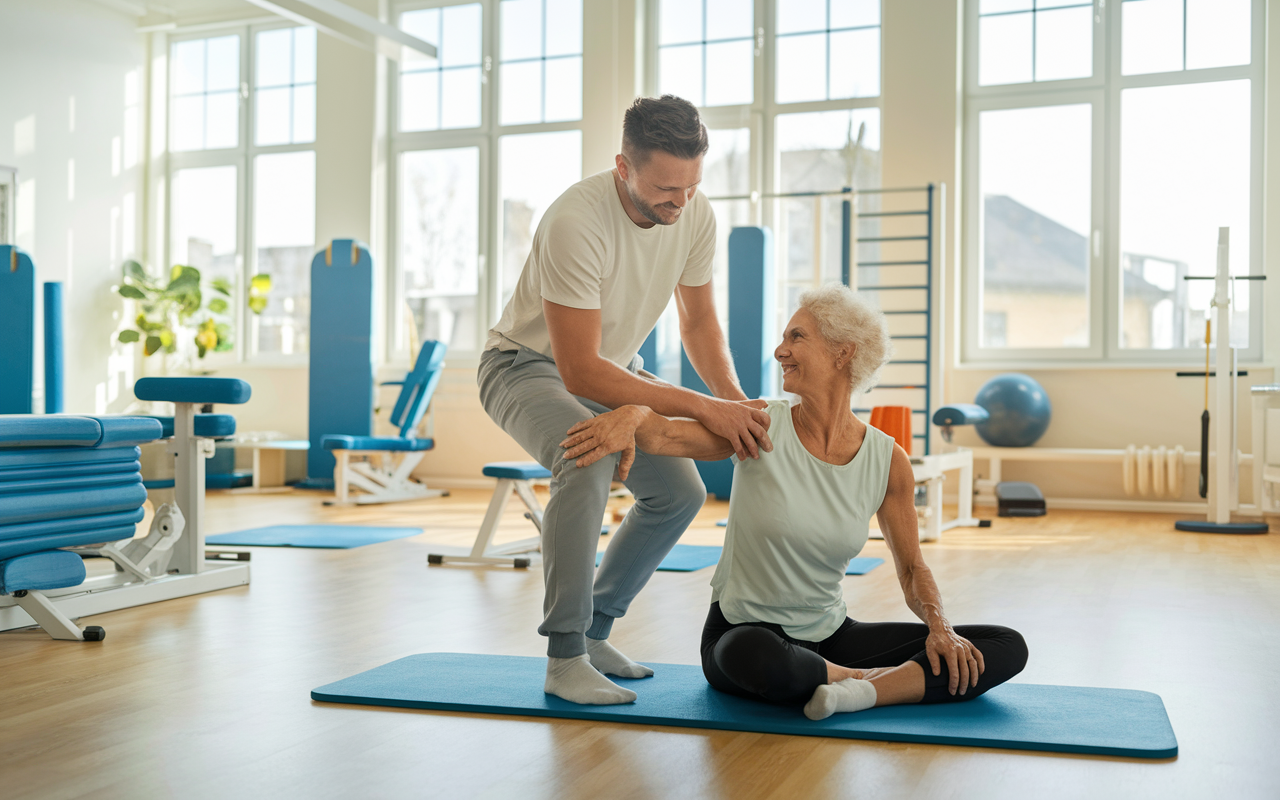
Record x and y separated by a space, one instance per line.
846 319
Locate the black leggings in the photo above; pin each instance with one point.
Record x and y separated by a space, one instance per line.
759 660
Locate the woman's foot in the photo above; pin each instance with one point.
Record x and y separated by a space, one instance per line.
848 695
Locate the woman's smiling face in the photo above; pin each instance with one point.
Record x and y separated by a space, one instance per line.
808 364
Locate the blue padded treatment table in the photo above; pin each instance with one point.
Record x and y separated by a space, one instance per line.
1019 716
340 537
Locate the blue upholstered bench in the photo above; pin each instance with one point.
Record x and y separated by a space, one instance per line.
64 481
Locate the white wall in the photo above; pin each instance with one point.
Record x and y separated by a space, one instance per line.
64 67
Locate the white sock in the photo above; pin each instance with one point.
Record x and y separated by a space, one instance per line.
850 694
609 660
575 680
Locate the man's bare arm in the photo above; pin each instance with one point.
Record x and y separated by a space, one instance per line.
575 346
704 341
633 426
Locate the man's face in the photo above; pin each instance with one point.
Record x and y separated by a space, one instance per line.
662 186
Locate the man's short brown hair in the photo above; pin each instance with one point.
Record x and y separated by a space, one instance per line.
668 123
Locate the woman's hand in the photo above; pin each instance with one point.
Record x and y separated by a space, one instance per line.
964 661
614 432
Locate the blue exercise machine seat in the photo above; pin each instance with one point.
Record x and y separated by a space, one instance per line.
228 391
516 470
389 479
53 569
207 426
390 443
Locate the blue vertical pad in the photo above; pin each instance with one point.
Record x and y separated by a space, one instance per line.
1019 716
342 366
339 537
751 334
17 330
53 361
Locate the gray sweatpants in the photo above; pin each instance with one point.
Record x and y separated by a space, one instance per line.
523 392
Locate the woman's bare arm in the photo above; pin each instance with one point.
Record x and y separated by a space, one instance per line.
640 426
900 526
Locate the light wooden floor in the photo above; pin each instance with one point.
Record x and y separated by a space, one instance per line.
207 697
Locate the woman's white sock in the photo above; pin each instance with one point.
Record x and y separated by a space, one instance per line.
850 694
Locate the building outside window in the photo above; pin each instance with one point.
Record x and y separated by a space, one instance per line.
1106 145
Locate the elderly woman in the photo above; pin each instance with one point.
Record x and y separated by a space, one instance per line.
778 629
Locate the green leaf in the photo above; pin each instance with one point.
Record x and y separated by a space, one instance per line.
218 306
132 292
260 283
257 304
166 338
200 351
129 336
223 346
221 286
182 277
151 345
224 332
133 271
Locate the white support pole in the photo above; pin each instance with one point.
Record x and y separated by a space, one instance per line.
188 489
1221 487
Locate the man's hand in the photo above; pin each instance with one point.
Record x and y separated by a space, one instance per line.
964 661
615 432
744 424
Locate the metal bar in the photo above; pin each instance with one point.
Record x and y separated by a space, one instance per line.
756 196
912 336
928 323
893 239
903 286
892 213
846 240
891 263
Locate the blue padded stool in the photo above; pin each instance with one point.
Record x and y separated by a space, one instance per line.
512 476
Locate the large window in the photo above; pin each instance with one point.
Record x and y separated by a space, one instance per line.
790 90
486 137
1106 144
242 121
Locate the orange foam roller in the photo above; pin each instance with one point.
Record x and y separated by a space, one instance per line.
895 421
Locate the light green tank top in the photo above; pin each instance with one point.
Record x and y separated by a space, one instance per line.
795 521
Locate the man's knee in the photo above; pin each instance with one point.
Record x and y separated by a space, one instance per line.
681 492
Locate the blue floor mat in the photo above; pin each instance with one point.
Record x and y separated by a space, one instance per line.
684 558
693 557
1019 716
338 537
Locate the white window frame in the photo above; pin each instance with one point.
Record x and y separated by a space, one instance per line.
487 137
761 115
242 157
1102 90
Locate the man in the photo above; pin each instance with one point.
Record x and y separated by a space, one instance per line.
606 259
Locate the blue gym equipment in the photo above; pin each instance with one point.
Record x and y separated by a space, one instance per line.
1018 410
18 332
72 481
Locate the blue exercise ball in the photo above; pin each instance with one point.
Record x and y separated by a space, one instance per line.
1019 409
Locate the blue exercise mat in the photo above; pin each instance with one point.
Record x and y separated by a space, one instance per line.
1019 716
684 558
332 536
693 557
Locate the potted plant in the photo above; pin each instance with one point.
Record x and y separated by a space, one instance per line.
175 314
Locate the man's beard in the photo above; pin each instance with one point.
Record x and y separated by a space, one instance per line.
646 210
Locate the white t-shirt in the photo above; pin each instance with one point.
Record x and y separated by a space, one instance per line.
587 253
794 523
